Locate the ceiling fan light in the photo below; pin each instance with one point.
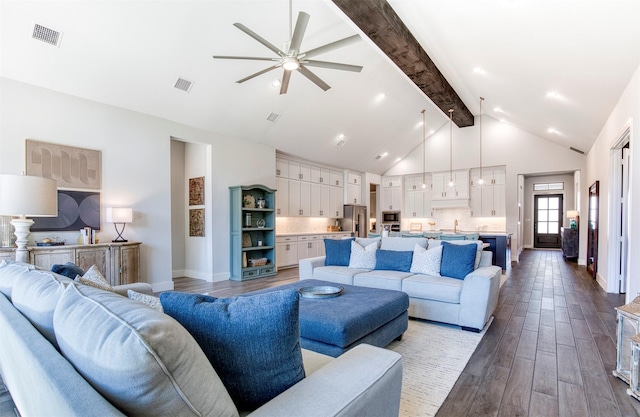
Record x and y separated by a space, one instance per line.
290 64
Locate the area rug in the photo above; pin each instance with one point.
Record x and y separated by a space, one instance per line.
433 357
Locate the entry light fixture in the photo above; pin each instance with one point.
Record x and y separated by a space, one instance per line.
119 216
481 179
22 196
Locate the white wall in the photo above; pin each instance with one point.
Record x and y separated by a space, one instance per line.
178 208
502 144
626 113
136 162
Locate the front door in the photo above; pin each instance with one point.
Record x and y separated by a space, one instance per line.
547 221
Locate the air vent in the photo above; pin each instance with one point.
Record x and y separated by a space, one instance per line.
378 157
341 143
577 150
46 35
182 84
272 117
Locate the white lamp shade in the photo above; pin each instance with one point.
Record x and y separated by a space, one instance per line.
119 215
572 214
23 195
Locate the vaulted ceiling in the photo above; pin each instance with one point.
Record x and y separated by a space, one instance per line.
512 52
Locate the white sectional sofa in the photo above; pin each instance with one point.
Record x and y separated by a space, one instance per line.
467 302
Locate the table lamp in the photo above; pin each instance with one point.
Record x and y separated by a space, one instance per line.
573 216
22 196
119 215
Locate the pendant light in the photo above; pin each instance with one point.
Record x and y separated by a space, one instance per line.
481 179
451 183
424 149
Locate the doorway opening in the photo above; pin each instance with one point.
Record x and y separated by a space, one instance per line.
592 229
547 221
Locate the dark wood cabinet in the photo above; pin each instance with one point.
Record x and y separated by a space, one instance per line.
570 242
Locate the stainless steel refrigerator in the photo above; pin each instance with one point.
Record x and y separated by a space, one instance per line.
355 220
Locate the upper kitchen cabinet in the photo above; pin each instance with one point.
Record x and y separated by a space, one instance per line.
488 199
443 191
354 188
417 196
391 193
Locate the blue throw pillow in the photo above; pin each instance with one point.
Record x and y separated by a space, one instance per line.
69 270
457 260
337 251
253 342
393 260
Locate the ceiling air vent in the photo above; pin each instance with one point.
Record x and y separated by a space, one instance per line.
182 84
46 35
272 117
378 157
577 150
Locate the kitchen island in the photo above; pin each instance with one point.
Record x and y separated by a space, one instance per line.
500 246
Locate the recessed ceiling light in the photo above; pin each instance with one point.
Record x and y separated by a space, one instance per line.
498 110
431 132
341 136
419 124
398 159
380 97
276 83
554 94
552 130
479 70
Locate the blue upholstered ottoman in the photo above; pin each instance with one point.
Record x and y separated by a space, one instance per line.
359 315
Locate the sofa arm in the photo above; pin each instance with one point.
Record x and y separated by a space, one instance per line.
365 381
141 287
306 266
479 296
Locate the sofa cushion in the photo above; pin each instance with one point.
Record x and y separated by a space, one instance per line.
337 274
426 261
363 257
394 260
429 287
383 279
402 243
253 342
457 260
94 278
143 361
9 272
69 270
337 251
35 295
366 241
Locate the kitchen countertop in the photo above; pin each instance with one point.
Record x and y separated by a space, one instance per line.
309 233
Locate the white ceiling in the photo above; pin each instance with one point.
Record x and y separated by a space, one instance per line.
130 53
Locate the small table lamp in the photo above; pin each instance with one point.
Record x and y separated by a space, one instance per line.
119 215
22 196
573 216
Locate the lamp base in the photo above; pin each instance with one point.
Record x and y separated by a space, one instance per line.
119 238
22 228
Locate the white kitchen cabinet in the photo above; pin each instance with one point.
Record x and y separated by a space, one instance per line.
299 198
282 168
391 199
391 181
417 199
299 171
282 197
488 199
286 251
337 178
321 175
336 202
354 189
442 190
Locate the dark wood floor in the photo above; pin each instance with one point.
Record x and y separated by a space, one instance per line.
549 351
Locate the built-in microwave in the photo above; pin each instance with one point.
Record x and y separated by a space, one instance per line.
390 217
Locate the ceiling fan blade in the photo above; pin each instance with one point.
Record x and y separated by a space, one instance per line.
333 65
331 46
253 58
298 33
259 38
257 73
285 82
313 77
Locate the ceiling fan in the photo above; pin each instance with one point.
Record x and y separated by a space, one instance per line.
292 59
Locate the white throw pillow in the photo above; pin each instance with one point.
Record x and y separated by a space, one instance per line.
426 261
363 257
146 299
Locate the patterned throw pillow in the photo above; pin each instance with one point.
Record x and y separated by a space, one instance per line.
94 278
426 261
363 257
150 300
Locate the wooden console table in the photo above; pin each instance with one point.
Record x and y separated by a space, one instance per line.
119 263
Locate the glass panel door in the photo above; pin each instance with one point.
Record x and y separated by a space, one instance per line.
547 221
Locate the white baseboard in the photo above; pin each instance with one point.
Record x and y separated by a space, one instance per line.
200 275
601 281
177 273
582 261
162 286
221 277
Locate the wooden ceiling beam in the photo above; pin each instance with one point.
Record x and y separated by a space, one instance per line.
378 20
